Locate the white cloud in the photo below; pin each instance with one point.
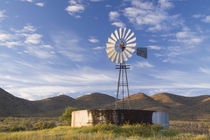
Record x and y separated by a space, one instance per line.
33 38
113 15
31 42
154 47
204 70
197 16
118 24
143 64
206 19
26 29
68 44
98 48
93 40
28 0
165 4
39 52
152 40
114 18
188 37
4 36
148 15
96 0
40 4
2 14
75 8
43 81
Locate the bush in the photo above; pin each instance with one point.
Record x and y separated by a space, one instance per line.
16 128
43 125
66 116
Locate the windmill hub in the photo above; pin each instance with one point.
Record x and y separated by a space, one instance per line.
122 46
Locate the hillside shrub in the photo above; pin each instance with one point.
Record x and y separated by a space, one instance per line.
66 116
43 125
16 128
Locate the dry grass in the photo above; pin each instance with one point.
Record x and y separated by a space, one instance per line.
103 132
197 127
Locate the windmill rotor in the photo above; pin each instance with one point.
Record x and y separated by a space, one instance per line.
120 45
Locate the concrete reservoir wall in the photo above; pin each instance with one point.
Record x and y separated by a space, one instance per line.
118 117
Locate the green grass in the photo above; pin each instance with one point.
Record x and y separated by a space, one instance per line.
103 132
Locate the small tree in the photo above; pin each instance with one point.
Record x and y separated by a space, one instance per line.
66 116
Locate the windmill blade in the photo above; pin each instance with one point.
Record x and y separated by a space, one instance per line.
123 33
120 31
131 35
117 58
116 33
111 41
110 54
130 49
127 33
131 40
113 56
131 45
124 56
121 58
108 45
113 37
108 50
127 53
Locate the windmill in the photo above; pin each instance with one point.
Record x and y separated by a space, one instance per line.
120 46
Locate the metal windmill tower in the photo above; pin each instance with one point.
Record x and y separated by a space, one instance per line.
119 48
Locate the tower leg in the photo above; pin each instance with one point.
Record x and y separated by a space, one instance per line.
129 107
118 87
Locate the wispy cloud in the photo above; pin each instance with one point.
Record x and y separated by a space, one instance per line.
144 64
2 14
114 17
75 8
98 48
205 70
40 4
33 38
118 24
145 14
206 19
30 41
188 37
93 40
68 44
154 47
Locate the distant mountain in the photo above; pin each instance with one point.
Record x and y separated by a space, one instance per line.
181 107
178 107
55 106
137 101
96 100
14 106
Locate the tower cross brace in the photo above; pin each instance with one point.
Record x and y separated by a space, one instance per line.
122 85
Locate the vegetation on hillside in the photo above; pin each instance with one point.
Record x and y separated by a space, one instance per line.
66 116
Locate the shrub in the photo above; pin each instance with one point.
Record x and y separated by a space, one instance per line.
43 125
16 128
66 116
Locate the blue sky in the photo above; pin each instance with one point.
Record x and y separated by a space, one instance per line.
53 47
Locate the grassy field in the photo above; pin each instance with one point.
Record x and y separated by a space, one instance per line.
197 127
35 128
103 132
